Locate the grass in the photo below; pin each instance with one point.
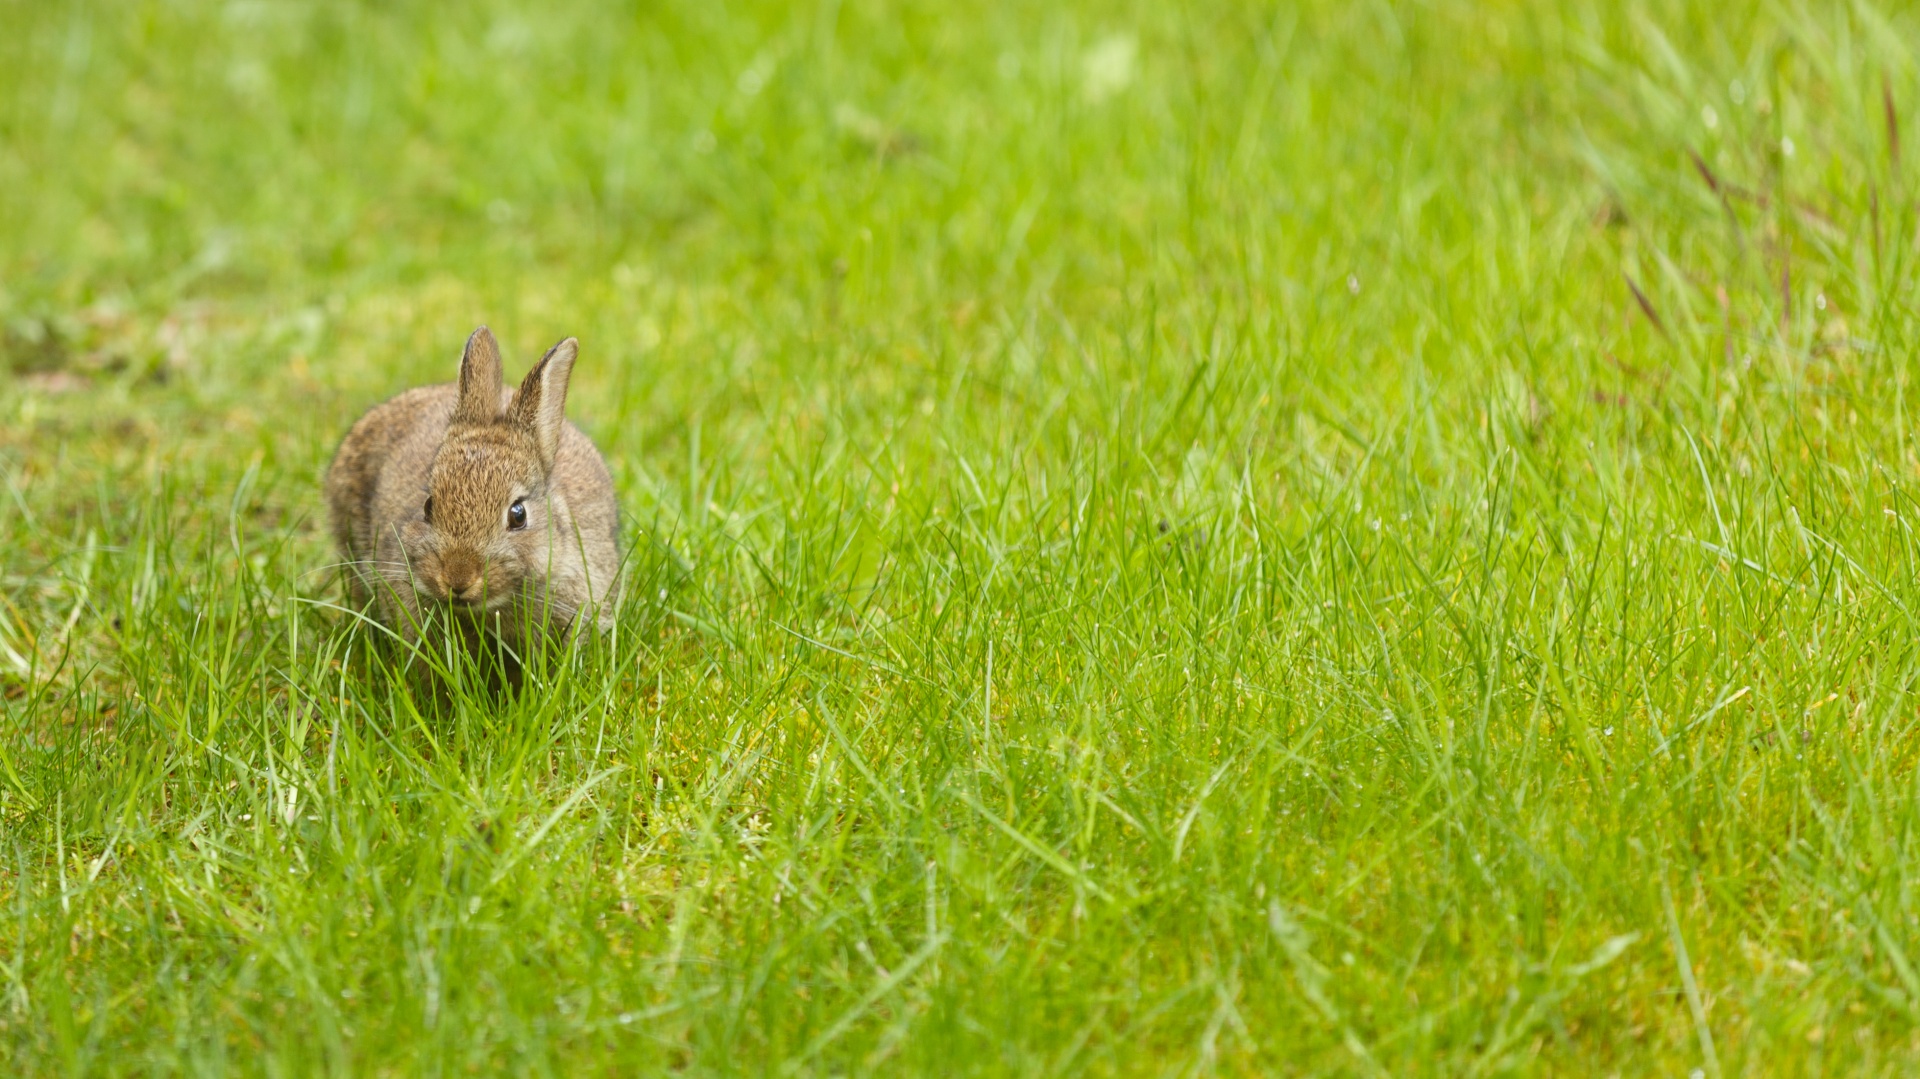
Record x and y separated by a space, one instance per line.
1163 539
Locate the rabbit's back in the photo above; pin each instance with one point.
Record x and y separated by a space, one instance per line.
580 474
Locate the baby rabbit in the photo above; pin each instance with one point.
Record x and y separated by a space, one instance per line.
480 502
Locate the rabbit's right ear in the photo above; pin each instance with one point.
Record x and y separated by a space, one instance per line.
479 380
541 405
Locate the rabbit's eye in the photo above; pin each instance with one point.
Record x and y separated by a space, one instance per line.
517 515
427 509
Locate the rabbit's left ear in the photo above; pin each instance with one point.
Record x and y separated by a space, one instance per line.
479 401
541 404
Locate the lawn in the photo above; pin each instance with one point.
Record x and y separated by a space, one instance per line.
1161 539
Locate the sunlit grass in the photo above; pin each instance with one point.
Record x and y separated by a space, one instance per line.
1162 539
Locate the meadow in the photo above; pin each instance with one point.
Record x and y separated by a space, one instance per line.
1174 539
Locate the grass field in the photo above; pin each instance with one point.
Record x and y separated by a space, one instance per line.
1163 539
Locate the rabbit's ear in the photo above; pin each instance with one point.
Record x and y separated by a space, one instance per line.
479 380
541 404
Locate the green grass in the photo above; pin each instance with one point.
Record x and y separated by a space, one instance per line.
1162 540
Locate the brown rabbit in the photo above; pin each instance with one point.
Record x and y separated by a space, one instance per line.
477 501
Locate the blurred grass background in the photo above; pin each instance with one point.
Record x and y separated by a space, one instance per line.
1166 538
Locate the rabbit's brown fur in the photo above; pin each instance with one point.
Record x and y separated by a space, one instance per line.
468 453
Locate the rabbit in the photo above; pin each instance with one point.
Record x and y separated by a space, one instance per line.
481 503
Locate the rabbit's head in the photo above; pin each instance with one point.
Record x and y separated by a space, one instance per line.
485 529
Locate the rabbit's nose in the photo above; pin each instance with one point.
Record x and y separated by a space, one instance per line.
463 580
